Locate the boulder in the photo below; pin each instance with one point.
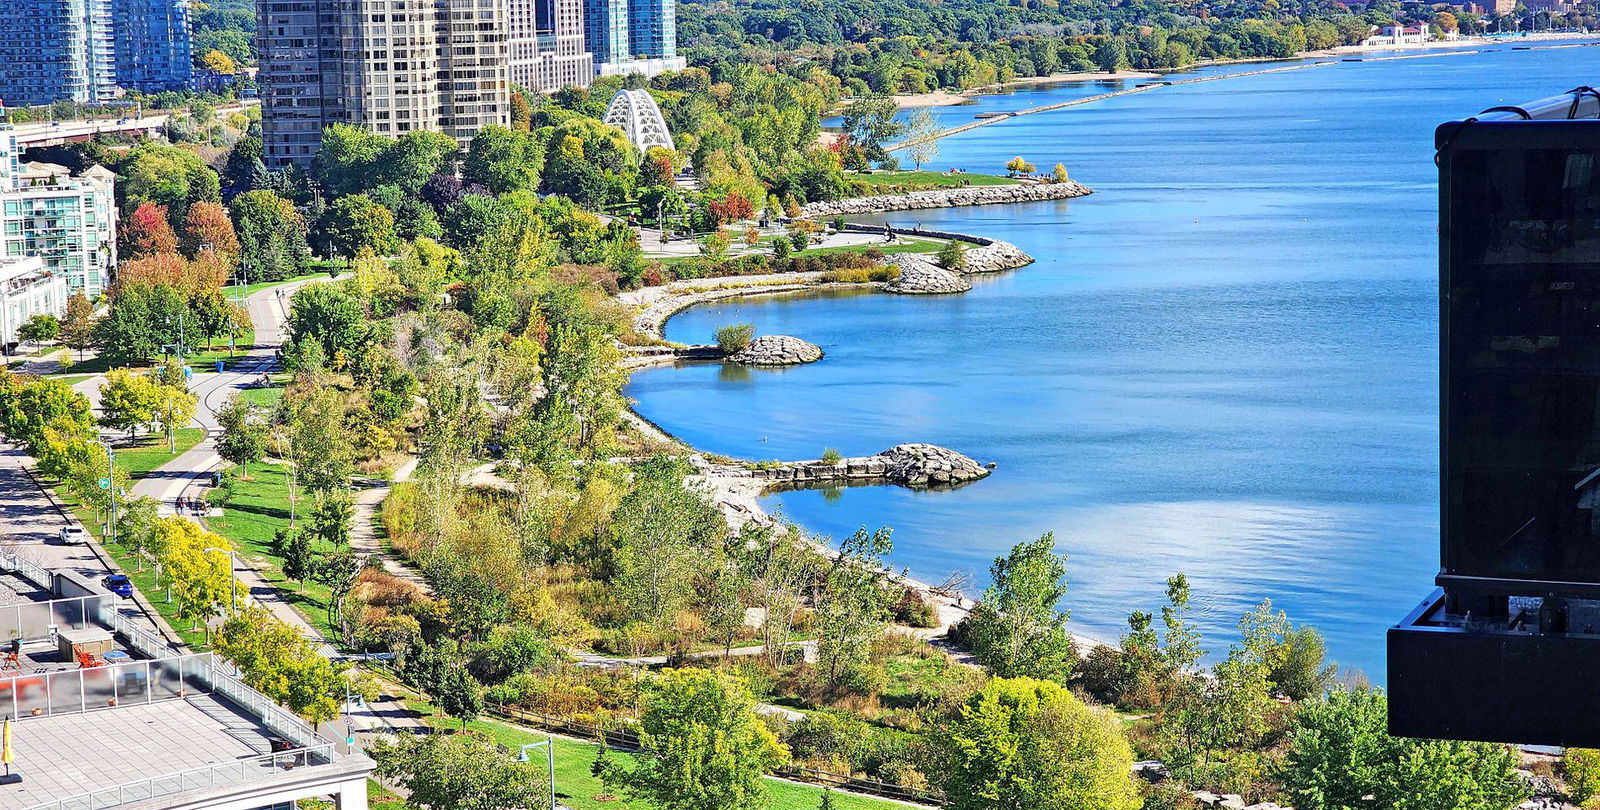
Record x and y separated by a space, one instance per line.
776 350
925 465
919 276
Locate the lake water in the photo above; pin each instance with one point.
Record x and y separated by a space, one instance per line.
1222 363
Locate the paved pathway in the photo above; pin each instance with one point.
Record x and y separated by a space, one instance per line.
364 532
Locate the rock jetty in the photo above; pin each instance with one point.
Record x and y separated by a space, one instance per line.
776 350
947 198
919 276
910 465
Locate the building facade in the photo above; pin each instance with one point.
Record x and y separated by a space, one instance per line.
55 50
546 45
28 288
390 67
633 36
152 44
69 221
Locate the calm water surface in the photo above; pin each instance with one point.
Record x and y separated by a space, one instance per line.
1222 363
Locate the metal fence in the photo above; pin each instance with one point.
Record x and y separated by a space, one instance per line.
35 620
220 774
131 683
31 571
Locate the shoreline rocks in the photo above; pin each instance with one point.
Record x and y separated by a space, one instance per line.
918 276
914 465
948 198
776 350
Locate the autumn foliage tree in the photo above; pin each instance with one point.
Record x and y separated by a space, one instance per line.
733 208
208 228
145 232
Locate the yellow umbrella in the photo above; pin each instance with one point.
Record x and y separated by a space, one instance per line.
6 754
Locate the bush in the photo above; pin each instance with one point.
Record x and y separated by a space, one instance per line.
800 239
862 275
1581 767
781 248
915 611
736 336
831 456
953 256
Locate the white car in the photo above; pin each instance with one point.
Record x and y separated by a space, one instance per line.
74 535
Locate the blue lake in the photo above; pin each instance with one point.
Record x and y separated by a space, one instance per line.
1223 362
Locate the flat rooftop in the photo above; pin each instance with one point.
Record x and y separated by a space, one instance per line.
15 590
69 754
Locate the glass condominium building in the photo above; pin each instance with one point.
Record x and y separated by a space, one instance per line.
152 44
54 50
653 28
68 220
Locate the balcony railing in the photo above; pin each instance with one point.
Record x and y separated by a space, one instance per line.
205 777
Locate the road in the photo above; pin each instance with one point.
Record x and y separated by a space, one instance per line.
48 133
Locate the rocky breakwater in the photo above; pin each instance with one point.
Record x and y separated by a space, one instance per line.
918 276
947 198
776 350
910 465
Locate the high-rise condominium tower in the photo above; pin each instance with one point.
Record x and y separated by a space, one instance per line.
53 50
152 44
547 45
390 66
633 36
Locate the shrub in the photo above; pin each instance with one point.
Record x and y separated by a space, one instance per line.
838 223
831 456
915 611
953 256
1582 770
781 248
799 239
862 275
736 336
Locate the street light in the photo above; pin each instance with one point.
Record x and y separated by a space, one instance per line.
550 760
233 582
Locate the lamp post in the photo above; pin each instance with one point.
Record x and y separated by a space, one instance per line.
550 761
111 489
233 582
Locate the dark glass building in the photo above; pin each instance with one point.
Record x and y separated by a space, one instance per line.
1506 648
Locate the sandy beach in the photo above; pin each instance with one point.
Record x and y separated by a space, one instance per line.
943 98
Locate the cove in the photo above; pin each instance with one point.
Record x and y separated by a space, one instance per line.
1224 362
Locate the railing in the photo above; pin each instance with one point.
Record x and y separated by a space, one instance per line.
276 718
131 683
218 774
31 571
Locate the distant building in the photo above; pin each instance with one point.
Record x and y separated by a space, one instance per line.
436 65
546 45
152 44
68 221
636 114
633 36
54 50
28 288
1397 34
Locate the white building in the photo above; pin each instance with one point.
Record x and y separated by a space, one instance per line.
28 288
1397 34
70 221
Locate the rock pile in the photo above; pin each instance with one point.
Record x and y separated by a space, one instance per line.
919 276
921 465
947 198
776 350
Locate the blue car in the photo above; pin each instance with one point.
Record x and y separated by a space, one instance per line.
118 584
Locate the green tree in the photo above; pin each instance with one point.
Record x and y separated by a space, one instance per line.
503 160
871 122
142 319
921 129
174 406
952 256
293 544
853 609
710 749
332 315
244 433
1581 768
1341 757
129 401
78 324
460 772
358 223
1025 744
662 532
459 694
339 571
1150 665
331 517
276 659
1017 628
272 236
40 328
169 176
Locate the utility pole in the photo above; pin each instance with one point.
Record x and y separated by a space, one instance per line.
111 488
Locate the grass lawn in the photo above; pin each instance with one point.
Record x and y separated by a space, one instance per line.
258 508
904 245
927 179
250 289
576 788
200 359
150 452
265 397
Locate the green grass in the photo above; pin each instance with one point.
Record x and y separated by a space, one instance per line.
258 508
576 788
264 397
233 290
927 179
200 359
150 452
904 245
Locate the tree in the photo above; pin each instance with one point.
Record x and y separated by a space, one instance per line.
661 531
330 519
293 544
174 406
220 62
1025 744
199 580
1229 710
40 328
142 319
78 324
358 223
921 129
1059 173
146 232
339 570
853 609
602 768
459 694
244 434
322 453
710 749
207 227
871 122
1111 55
272 235
1341 757
168 176
276 659
334 316
1019 165
128 401
460 772
503 160
952 256
1017 628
